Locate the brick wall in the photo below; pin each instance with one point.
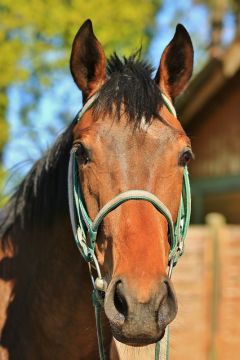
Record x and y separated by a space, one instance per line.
207 283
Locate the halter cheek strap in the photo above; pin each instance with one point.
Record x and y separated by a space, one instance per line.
169 105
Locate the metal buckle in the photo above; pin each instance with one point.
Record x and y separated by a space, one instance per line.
170 267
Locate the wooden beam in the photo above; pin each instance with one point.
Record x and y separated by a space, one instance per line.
215 184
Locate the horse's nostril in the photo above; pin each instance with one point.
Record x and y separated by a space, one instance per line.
167 308
119 300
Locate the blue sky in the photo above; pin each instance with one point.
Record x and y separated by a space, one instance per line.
24 150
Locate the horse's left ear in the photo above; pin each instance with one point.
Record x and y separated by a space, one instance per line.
176 64
88 61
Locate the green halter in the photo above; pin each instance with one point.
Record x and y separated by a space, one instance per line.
85 230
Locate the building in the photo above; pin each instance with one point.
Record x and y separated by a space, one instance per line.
210 112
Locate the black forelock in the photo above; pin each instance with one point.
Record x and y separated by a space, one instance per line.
130 88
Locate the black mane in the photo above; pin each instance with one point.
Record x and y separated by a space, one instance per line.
43 192
130 84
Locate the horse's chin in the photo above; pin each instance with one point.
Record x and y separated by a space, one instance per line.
137 341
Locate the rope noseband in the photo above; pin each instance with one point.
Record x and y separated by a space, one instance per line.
85 230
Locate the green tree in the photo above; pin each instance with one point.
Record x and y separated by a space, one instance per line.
36 38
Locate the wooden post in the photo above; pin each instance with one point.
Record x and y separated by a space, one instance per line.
216 222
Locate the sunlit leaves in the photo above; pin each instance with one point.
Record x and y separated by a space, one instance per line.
36 38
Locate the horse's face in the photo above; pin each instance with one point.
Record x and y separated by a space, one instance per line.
115 156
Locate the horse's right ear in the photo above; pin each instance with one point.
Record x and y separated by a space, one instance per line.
88 61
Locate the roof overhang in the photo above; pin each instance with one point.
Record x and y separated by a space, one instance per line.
207 82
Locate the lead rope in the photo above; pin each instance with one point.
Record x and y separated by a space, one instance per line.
97 300
97 303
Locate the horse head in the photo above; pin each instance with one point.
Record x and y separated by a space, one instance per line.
130 139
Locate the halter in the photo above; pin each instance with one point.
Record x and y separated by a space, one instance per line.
85 230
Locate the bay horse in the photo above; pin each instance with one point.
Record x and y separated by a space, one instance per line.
128 137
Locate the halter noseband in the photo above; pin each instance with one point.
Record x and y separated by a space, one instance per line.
85 230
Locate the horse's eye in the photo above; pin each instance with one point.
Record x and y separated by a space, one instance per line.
185 157
83 154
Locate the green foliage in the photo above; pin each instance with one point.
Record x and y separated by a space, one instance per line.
3 198
36 38
3 124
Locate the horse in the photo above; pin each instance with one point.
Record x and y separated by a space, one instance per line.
127 139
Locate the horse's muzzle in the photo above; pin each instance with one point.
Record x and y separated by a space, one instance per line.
136 322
